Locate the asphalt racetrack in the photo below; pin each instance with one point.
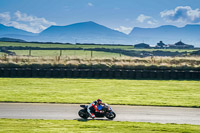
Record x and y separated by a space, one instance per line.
152 114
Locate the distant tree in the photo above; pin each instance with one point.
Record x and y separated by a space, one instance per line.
141 45
160 44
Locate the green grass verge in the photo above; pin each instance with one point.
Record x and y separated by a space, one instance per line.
69 53
97 126
112 91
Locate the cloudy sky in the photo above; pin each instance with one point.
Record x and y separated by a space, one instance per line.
122 15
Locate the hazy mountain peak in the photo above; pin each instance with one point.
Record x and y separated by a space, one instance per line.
167 26
75 25
88 22
85 32
5 30
6 27
1 25
87 27
192 26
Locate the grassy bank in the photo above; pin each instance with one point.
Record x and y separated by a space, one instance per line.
129 92
57 126
102 63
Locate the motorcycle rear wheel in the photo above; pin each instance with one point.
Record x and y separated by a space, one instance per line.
83 114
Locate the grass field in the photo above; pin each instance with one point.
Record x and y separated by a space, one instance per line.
69 53
15 44
97 126
128 92
125 47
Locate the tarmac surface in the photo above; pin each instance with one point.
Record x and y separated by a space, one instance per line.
152 114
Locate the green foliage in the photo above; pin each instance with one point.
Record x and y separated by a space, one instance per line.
127 92
97 126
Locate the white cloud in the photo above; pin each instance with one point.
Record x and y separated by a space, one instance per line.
146 19
25 22
4 17
124 29
152 22
141 18
182 14
90 4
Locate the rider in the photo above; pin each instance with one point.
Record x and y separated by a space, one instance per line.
92 108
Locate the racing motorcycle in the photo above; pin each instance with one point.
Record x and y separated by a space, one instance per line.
107 112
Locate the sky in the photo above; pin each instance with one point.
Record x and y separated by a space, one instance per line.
122 15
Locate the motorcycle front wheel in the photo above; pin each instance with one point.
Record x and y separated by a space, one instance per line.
111 115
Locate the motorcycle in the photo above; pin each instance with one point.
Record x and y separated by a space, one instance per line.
106 109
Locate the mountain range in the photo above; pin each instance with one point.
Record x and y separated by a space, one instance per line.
169 34
91 32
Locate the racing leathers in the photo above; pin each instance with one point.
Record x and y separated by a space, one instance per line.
92 108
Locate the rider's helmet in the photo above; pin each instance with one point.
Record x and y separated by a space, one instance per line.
99 101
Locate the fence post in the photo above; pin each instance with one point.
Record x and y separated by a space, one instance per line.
60 52
91 53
